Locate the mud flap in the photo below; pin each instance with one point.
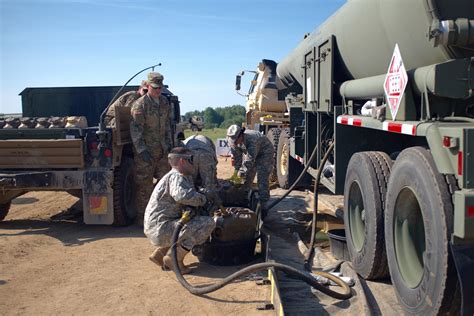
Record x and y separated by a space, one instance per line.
464 260
98 197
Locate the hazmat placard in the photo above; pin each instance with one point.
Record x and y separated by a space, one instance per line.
395 82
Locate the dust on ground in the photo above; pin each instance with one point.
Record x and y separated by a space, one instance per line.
51 263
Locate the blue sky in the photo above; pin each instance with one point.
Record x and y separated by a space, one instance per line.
202 44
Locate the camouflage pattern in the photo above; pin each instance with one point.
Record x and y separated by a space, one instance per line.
155 79
125 100
204 160
255 157
172 193
150 129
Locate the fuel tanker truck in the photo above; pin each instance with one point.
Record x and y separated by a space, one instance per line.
387 87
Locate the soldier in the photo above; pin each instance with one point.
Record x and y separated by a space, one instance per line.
205 160
171 195
125 100
150 129
258 158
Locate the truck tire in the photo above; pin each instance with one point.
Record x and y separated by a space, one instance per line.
288 169
364 195
418 227
274 136
125 210
4 208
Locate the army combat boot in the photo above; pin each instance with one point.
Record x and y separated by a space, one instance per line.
158 254
180 254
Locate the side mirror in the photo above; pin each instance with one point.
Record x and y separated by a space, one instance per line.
238 79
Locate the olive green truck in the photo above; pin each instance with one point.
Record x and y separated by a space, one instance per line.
390 83
59 146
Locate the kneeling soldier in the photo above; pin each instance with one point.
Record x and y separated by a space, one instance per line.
174 192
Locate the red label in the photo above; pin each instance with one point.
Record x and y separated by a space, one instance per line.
470 211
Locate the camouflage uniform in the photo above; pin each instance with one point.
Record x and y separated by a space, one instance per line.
257 152
204 160
125 100
172 193
150 130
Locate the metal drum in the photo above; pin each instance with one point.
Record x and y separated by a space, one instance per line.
233 240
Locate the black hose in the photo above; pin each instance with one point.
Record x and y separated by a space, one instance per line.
305 276
102 115
309 256
315 198
293 186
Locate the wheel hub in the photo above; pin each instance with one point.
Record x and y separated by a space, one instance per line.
409 237
356 216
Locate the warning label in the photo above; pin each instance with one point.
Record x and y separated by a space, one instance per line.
395 82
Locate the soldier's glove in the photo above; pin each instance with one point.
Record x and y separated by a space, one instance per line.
212 196
235 179
188 213
146 156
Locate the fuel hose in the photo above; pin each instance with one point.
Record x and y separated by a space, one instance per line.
293 186
309 256
303 275
315 198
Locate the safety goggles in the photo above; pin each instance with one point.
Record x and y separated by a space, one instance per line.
188 158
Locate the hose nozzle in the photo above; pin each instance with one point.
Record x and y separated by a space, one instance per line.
186 217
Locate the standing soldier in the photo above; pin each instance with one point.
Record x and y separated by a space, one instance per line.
125 100
205 160
150 129
173 193
257 152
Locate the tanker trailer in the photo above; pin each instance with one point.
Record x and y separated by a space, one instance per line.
391 84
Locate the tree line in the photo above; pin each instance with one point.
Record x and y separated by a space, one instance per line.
221 117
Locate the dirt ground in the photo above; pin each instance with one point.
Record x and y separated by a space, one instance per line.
51 263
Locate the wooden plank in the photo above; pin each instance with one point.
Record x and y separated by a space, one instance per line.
36 152
51 153
41 143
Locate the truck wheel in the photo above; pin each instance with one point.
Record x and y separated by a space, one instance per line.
418 226
124 202
364 195
4 208
288 169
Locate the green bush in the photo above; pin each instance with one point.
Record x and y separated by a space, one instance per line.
235 120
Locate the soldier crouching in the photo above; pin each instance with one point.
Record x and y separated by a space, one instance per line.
174 192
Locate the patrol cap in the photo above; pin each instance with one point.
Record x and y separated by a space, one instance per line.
155 79
233 132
